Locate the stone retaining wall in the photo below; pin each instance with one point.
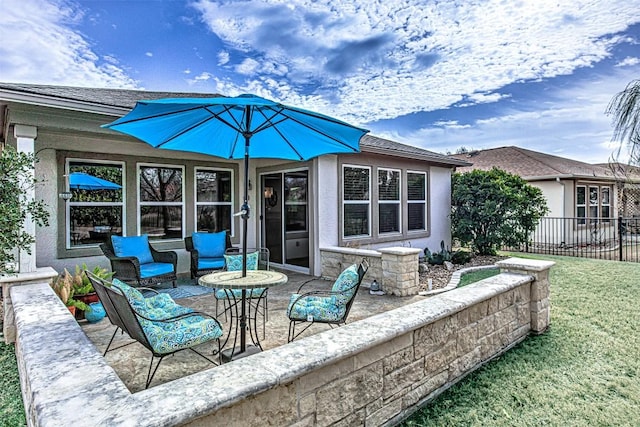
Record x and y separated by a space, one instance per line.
373 372
395 269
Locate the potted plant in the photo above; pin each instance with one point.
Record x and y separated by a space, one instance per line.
83 289
64 288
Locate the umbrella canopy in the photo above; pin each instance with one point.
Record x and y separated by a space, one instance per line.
84 181
238 128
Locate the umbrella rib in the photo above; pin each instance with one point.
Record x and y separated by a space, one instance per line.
269 123
237 127
182 132
155 116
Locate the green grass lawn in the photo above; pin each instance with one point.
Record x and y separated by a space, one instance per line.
585 371
476 276
11 408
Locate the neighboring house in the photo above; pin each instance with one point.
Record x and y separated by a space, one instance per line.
390 194
591 193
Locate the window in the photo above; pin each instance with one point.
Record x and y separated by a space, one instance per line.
214 200
295 200
161 205
388 201
96 208
416 201
356 186
593 202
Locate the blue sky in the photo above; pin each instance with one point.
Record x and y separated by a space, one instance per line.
440 75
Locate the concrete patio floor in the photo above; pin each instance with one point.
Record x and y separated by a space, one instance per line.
132 362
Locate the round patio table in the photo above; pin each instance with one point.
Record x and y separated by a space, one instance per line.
229 280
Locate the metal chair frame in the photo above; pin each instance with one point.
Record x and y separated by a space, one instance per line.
362 270
125 318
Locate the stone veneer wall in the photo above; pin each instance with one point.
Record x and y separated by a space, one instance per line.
373 372
45 274
395 269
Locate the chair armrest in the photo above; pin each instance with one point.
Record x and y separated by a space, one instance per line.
164 256
306 282
143 288
179 317
125 267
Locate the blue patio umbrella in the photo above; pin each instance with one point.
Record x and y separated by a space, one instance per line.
84 181
242 127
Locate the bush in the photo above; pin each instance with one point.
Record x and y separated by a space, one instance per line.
494 208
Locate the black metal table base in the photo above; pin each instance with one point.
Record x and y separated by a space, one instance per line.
234 353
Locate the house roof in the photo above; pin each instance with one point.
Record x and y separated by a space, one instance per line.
119 101
532 165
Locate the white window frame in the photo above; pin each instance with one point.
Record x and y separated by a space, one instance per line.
397 202
356 202
71 203
423 201
140 203
198 204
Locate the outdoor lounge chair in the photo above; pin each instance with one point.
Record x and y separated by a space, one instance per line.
157 322
330 307
206 251
136 262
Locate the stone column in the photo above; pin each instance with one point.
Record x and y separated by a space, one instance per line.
25 136
400 271
539 270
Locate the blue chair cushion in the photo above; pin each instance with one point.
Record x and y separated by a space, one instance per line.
234 262
157 307
155 269
345 284
237 293
210 263
210 245
168 337
321 309
136 246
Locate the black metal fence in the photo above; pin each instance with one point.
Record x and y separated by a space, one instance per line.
603 238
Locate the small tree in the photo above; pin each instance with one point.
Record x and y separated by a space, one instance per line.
494 208
15 181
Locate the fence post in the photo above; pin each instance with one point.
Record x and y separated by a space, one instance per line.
620 234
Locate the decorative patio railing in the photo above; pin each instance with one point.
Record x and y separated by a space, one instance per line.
603 238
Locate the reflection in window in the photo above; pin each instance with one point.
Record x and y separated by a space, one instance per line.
295 193
161 206
388 201
96 208
214 193
416 200
356 200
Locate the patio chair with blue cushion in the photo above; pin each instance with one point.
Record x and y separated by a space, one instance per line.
136 262
257 259
207 252
331 306
158 323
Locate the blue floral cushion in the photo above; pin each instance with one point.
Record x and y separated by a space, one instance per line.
237 293
210 245
157 307
135 246
234 262
319 309
168 337
345 284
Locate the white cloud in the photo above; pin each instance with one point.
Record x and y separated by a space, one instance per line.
223 57
628 61
39 46
466 49
572 124
149 54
